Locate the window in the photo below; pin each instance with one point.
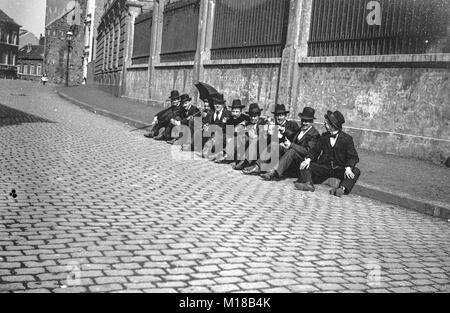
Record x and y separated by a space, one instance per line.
25 69
38 69
19 68
32 70
13 59
5 58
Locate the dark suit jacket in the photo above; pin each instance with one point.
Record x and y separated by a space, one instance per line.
237 121
292 128
167 114
184 115
306 143
223 119
343 152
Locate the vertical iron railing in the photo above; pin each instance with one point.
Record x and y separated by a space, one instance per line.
142 36
180 31
340 28
249 29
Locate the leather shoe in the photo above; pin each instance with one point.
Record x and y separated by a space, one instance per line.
272 175
149 135
252 170
305 186
338 192
172 141
239 166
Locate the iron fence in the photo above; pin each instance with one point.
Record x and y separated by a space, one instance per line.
180 31
249 29
340 27
142 37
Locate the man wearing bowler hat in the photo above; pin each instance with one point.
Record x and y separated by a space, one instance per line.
249 135
303 141
219 117
286 132
237 119
162 119
184 115
334 156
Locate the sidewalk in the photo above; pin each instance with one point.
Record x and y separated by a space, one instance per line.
413 184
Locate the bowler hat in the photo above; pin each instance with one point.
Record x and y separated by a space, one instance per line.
335 118
218 98
280 109
307 114
254 109
185 98
174 94
237 104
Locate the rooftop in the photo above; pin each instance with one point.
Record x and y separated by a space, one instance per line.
6 19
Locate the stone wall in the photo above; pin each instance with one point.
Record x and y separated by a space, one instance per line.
251 83
136 83
402 110
167 79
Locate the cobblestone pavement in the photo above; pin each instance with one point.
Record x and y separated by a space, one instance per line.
100 208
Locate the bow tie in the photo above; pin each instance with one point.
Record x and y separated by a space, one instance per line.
334 136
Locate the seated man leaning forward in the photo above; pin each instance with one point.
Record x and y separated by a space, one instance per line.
303 141
162 119
286 132
248 138
185 115
334 156
237 119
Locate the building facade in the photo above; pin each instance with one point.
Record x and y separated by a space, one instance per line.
114 46
9 46
91 22
30 62
56 45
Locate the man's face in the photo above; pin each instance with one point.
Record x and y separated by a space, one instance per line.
218 106
254 118
176 102
305 124
280 118
235 113
205 105
187 104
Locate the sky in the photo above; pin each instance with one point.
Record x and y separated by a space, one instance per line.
28 13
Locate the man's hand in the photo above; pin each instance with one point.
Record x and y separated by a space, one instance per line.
305 164
349 173
287 144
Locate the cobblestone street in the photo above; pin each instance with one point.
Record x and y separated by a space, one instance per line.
100 208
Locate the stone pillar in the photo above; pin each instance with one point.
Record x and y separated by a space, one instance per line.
133 10
155 44
288 77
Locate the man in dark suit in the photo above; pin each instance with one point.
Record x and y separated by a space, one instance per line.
249 135
218 117
237 118
334 156
286 132
162 118
303 141
185 115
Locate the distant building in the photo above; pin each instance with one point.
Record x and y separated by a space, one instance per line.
27 38
30 62
9 45
94 12
56 45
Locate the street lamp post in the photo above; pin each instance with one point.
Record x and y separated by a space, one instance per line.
69 37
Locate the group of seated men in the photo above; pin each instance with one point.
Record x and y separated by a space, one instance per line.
301 151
